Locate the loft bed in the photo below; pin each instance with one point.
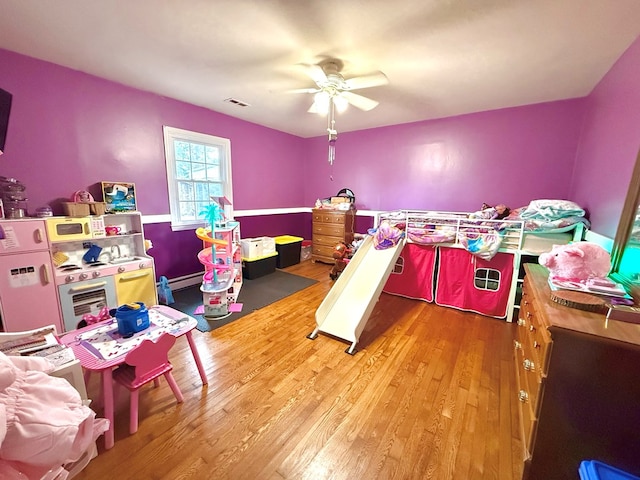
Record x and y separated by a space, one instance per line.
438 245
484 236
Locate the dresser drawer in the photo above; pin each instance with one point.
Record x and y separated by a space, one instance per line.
527 417
328 229
326 239
540 339
329 217
322 250
531 372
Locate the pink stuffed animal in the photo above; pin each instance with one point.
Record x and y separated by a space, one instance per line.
577 262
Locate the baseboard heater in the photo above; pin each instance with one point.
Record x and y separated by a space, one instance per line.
185 281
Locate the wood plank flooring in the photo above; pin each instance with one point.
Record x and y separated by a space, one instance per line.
430 394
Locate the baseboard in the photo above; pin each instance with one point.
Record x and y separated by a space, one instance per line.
185 281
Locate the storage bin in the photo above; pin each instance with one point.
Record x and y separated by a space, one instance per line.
132 318
288 248
306 250
257 247
259 267
594 470
98 208
73 209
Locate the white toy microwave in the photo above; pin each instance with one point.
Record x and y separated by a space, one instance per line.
62 229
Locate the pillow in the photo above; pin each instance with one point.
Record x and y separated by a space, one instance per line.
552 209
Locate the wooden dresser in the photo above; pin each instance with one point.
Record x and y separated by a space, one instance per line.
330 227
578 382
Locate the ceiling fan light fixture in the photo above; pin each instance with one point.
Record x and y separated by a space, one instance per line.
322 101
341 103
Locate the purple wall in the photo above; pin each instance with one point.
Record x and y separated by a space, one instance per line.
609 143
509 156
69 130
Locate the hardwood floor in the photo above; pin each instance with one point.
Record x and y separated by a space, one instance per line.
430 394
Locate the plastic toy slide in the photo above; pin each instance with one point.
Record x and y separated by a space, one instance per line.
204 234
346 309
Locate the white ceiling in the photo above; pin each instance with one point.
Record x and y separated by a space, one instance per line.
442 57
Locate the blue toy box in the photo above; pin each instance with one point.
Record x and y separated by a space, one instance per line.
132 318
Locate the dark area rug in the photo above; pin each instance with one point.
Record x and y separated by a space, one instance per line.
255 294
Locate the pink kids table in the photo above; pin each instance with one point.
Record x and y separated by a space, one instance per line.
99 348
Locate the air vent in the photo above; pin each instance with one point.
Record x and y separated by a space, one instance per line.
237 102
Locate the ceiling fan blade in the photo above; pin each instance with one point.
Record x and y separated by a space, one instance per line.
317 74
367 81
358 101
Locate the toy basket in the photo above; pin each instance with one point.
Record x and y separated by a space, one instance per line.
98 208
75 209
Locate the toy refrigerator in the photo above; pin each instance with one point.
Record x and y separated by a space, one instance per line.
28 295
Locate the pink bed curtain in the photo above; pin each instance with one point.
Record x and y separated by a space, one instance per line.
413 275
456 286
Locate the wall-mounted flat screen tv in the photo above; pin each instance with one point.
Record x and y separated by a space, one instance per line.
5 109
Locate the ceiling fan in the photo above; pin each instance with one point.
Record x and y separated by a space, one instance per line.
332 89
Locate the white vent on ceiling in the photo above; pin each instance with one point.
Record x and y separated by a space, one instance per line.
237 102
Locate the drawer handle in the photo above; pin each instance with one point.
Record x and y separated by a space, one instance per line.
134 276
517 345
532 328
91 286
526 302
536 344
521 322
523 396
528 314
528 365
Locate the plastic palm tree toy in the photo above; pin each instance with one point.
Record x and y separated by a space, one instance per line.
213 213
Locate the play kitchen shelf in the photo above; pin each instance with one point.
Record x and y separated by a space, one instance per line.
100 261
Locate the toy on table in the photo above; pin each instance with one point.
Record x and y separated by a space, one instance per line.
576 262
340 254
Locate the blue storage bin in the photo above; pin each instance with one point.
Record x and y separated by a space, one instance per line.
594 470
132 318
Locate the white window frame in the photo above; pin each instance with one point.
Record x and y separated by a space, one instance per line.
172 134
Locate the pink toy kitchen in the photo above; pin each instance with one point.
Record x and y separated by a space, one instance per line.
55 270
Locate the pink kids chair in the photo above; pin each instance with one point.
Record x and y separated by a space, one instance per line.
143 364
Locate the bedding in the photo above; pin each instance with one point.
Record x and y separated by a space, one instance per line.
481 237
482 234
552 216
483 242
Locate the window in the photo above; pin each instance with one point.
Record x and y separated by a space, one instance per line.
198 168
398 268
487 279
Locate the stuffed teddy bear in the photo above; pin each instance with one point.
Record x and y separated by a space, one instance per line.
43 421
576 262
